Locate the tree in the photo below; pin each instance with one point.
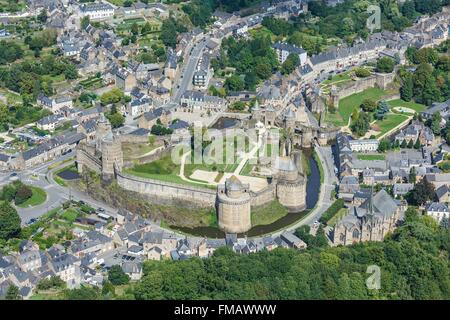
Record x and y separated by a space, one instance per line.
384 145
42 17
385 65
113 96
362 72
117 120
408 9
368 105
70 72
23 193
13 293
52 282
382 109
135 29
417 144
361 125
403 144
250 80
436 123
108 289
425 86
117 277
412 175
168 33
423 191
410 144
406 90
234 83
83 293
289 65
85 21
428 6
9 221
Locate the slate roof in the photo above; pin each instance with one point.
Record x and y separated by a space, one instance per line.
437 207
288 47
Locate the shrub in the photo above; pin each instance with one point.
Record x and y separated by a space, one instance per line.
332 210
362 72
23 194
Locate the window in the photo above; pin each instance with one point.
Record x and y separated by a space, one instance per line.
355 234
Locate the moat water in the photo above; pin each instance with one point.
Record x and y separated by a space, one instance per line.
312 195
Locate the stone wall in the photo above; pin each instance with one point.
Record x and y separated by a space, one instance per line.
377 80
166 190
264 196
85 159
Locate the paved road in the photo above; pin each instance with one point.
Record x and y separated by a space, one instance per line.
189 70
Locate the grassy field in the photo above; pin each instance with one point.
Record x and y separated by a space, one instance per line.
342 77
410 104
262 31
391 121
163 170
268 213
136 150
348 104
39 196
371 156
70 215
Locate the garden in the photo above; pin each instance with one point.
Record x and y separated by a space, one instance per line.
22 195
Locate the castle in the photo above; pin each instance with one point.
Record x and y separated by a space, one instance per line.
233 199
103 153
371 221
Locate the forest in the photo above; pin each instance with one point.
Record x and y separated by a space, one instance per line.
254 60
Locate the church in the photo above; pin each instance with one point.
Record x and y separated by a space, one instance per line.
371 221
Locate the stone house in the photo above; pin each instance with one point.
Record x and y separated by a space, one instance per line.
443 194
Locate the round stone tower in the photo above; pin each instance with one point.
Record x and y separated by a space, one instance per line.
111 154
103 129
233 206
291 186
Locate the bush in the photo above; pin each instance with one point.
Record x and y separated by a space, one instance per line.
362 72
116 276
9 221
332 210
52 282
23 194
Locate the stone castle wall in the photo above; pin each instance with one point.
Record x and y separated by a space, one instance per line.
167 190
292 195
264 196
376 80
85 159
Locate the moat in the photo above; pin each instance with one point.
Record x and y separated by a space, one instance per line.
312 195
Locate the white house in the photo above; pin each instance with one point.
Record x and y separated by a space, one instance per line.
97 11
438 211
368 145
283 51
